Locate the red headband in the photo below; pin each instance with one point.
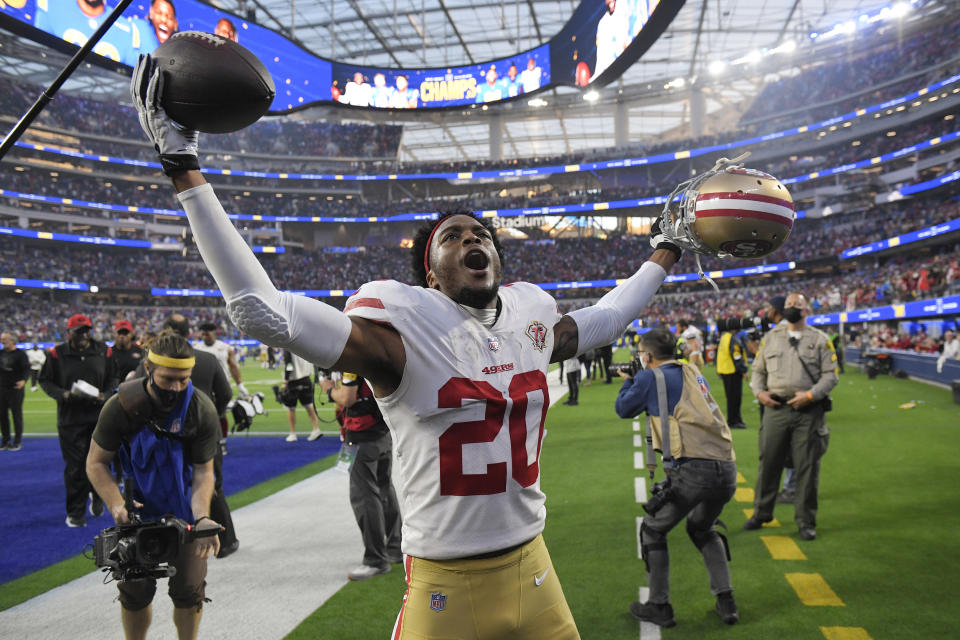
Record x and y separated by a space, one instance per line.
426 251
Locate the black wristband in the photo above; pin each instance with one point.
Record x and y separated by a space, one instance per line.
175 163
197 520
669 246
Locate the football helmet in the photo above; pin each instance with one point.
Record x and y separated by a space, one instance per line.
730 211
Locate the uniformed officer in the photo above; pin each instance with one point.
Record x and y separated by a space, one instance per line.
793 374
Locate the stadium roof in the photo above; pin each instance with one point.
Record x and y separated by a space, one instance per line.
757 39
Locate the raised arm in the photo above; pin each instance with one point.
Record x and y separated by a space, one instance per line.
604 322
311 329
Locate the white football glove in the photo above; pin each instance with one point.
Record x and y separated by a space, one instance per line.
242 391
662 240
176 145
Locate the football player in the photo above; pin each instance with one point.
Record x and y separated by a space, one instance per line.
458 368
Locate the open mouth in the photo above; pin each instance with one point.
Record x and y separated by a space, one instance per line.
476 259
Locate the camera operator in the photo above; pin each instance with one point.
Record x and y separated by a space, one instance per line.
793 374
701 473
166 434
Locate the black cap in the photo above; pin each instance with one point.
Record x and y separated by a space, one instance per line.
777 302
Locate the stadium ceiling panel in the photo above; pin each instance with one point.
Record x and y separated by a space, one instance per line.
438 33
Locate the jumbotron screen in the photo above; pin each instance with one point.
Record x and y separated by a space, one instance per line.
599 42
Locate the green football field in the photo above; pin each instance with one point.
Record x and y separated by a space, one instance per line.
885 564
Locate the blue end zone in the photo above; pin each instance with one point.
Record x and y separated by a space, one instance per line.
32 500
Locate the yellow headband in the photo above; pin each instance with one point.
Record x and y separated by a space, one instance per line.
173 363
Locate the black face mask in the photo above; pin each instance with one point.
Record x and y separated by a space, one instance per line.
167 399
792 314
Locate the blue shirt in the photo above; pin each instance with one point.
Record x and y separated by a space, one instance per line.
639 394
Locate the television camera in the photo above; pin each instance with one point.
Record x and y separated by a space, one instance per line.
141 549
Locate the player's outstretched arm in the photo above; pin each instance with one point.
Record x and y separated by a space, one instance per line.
604 322
311 329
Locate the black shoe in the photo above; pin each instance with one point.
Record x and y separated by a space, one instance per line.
227 550
786 497
659 614
808 533
96 505
394 558
14 447
4 446
727 608
738 425
76 522
753 524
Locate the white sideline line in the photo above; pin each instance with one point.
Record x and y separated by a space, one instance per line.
636 425
638 462
640 489
648 630
638 441
637 532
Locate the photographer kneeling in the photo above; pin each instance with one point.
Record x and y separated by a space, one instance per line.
166 434
701 473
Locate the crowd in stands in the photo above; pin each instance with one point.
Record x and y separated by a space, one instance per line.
121 192
539 259
862 69
900 279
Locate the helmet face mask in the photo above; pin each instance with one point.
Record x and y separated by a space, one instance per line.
732 211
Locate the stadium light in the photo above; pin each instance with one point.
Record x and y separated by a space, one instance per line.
787 47
591 96
94 288
899 10
537 102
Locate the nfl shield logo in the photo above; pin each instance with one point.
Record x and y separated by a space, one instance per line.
175 427
494 344
438 601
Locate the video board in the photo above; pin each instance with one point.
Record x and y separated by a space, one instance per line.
600 41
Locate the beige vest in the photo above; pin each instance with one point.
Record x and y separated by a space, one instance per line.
697 426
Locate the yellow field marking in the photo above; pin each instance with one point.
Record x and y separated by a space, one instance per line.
743 494
813 590
740 478
845 633
783 548
772 523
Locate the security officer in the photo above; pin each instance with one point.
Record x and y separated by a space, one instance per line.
79 376
701 473
793 374
732 369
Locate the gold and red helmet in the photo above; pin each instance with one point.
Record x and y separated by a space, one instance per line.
731 211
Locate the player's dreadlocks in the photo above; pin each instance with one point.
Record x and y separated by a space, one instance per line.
418 251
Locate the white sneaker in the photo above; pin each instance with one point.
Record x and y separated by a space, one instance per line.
292 437
314 435
365 571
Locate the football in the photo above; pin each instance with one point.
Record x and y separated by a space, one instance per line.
211 83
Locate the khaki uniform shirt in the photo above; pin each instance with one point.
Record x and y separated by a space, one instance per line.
777 368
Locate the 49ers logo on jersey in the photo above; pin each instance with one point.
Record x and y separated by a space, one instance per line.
537 332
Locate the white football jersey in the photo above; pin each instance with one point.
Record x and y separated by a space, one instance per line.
692 333
468 416
221 350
